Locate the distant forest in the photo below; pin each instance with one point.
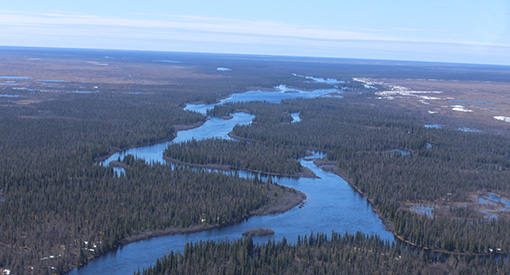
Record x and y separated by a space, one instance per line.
59 208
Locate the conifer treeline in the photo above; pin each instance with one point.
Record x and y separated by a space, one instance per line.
54 197
317 254
238 155
443 166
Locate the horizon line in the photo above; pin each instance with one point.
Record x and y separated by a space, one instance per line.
252 54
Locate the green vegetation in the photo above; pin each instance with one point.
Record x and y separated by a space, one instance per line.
58 208
365 141
56 201
56 198
238 155
316 254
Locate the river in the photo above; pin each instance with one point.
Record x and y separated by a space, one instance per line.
331 203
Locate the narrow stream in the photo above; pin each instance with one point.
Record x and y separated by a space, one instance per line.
331 204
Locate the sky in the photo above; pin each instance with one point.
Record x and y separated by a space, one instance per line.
467 31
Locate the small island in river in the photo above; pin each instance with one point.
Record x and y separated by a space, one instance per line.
258 231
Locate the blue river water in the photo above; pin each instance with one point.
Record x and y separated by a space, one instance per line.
282 92
331 203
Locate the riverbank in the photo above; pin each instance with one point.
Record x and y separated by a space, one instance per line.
321 192
189 127
284 199
307 173
280 205
287 199
177 128
231 135
332 166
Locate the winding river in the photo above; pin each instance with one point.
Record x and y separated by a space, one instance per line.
331 204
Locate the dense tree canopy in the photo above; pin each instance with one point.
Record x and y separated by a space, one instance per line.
59 208
394 162
238 155
316 254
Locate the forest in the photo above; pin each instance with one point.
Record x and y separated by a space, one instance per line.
317 254
74 214
443 167
59 208
240 155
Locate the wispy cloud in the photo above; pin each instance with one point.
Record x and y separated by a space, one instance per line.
197 33
60 20
179 22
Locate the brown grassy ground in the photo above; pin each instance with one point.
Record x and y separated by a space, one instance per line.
96 70
494 95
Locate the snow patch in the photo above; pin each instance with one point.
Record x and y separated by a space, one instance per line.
429 97
460 108
399 91
330 81
366 83
434 126
404 92
503 118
